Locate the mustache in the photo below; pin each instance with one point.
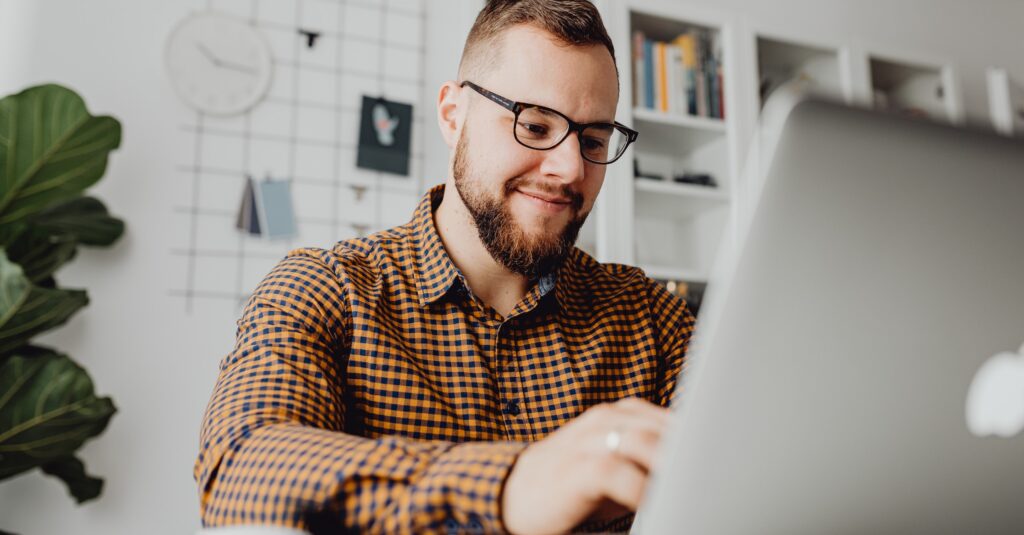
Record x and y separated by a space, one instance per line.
575 197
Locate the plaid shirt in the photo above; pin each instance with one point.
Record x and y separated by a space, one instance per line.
369 389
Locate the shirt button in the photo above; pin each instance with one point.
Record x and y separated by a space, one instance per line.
512 407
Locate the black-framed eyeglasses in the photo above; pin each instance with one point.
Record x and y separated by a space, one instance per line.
542 128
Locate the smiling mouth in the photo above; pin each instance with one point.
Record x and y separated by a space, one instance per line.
550 200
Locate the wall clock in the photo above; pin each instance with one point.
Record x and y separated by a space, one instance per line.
218 64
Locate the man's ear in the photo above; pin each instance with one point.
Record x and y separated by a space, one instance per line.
449 112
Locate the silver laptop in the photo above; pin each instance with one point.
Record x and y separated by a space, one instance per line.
857 368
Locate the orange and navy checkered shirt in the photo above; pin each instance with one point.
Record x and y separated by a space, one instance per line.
370 391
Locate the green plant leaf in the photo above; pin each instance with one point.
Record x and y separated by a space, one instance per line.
48 409
22 315
9 232
85 218
14 288
51 149
40 253
43 310
71 470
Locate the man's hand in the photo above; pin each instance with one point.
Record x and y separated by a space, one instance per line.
560 481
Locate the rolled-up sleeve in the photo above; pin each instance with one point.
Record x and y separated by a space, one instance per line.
272 446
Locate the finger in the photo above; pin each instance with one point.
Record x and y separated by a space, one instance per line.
633 412
625 423
639 446
644 409
624 484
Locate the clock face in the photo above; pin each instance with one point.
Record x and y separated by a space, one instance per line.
218 64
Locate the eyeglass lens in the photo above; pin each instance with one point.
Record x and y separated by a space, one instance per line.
542 129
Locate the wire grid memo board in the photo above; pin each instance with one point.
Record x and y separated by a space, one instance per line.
305 130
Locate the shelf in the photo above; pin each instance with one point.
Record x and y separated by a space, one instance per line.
716 126
676 134
814 68
662 27
1006 102
671 200
673 229
910 89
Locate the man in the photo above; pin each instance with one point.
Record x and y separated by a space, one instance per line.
470 371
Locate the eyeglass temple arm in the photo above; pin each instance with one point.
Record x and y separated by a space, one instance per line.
510 105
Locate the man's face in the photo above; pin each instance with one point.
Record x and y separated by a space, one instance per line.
528 205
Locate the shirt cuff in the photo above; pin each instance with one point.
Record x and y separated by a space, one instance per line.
469 479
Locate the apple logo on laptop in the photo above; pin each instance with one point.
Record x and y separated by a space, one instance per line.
995 399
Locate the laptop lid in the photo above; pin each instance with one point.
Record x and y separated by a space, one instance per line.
827 386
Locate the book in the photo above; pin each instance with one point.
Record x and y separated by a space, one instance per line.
649 73
703 102
662 79
688 46
639 76
717 93
712 81
684 84
721 95
682 76
677 91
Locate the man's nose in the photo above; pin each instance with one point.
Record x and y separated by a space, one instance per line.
564 162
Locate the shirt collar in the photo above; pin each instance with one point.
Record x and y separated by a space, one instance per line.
435 270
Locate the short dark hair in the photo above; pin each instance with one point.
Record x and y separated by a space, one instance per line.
573 22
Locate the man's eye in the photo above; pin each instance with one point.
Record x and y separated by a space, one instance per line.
535 129
593 144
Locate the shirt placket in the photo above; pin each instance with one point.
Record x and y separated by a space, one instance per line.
510 389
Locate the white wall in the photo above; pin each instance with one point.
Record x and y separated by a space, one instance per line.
159 363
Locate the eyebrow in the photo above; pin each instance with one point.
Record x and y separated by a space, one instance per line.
550 110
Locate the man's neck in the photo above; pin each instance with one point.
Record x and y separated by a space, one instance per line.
493 283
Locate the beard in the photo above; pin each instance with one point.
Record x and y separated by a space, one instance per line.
506 241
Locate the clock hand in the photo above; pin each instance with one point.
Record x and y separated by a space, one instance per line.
209 55
225 64
238 67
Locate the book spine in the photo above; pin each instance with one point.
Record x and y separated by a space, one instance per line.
702 79
670 74
721 94
712 75
649 73
683 92
686 43
638 69
662 79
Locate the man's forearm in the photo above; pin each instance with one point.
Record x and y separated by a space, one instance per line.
284 474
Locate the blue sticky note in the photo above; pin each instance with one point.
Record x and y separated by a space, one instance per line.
276 214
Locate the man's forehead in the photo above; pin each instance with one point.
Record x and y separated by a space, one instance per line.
534 67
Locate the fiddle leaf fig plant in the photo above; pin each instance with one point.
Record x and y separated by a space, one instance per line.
51 151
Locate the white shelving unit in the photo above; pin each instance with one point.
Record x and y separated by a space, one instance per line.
820 68
1006 102
670 229
678 201
674 230
915 87
896 81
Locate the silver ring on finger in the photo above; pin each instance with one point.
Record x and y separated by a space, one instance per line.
613 440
